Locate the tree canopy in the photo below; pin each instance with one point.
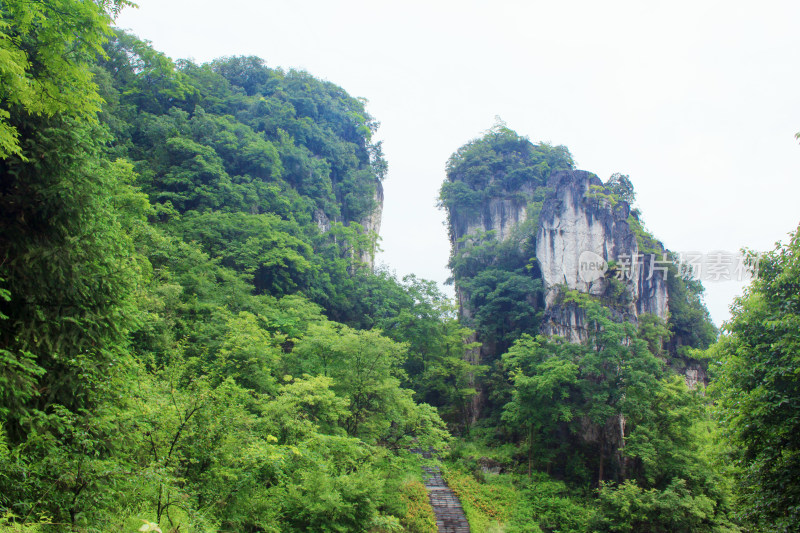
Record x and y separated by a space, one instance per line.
758 391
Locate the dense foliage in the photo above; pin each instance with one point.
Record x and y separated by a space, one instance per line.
178 241
272 173
596 436
193 337
501 163
758 390
608 410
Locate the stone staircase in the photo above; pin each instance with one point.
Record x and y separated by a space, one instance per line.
446 505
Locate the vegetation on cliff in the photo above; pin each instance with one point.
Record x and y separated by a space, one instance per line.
193 337
496 278
608 414
501 164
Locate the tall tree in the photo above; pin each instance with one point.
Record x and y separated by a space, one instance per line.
45 52
758 388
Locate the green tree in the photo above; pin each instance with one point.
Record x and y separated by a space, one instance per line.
366 369
621 186
758 390
437 366
66 257
593 388
45 52
543 397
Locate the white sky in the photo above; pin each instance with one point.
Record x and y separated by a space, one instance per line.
698 101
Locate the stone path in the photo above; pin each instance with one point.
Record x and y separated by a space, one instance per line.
446 505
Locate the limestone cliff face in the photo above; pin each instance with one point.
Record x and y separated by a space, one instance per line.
651 285
582 241
322 221
580 235
371 223
574 231
500 215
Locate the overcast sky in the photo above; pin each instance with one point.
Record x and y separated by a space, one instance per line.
698 101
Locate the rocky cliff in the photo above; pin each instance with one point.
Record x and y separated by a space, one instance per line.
582 241
582 238
585 243
526 228
371 223
500 214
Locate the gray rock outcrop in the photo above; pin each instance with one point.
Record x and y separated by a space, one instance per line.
500 215
372 223
583 241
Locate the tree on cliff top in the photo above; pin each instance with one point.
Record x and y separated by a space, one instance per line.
501 161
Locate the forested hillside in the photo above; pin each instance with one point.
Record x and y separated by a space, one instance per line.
192 332
194 335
